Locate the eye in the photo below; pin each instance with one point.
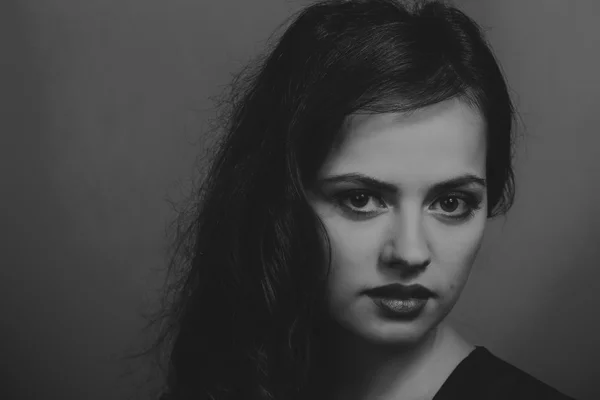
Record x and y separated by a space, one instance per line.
360 202
459 206
450 204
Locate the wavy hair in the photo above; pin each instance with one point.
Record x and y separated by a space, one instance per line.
243 308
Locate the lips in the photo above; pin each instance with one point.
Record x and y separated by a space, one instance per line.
400 308
400 302
400 292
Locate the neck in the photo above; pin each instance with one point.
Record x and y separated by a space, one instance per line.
364 370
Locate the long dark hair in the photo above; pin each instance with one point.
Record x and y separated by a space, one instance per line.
243 307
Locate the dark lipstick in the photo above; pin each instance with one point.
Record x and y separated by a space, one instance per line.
400 301
400 291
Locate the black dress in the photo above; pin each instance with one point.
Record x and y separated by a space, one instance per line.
483 376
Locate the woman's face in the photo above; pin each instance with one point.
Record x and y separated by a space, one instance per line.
403 200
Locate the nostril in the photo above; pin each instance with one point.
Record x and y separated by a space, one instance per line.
413 264
412 254
407 265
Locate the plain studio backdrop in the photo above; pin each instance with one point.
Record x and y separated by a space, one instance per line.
102 113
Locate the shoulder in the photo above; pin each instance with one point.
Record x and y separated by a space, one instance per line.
513 382
482 375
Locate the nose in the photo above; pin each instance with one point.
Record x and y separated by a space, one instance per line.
406 246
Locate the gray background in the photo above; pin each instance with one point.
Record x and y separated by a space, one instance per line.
102 104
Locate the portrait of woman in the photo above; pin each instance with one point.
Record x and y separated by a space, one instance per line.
341 215
300 199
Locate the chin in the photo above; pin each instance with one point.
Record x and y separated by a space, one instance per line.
375 329
399 333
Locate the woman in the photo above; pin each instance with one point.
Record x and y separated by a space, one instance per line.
339 221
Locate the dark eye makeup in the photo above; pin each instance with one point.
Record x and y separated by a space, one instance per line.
354 201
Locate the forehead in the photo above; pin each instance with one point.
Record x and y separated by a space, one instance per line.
425 146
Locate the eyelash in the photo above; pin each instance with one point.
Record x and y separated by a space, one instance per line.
472 203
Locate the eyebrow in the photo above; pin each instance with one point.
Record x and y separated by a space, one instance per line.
449 184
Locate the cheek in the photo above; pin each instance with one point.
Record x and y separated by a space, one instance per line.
456 250
354 252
